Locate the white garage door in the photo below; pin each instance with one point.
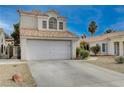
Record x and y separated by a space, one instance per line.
44 49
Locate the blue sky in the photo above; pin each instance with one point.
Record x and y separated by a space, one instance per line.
78 17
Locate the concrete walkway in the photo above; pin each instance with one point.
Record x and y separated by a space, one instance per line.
73 73
11 61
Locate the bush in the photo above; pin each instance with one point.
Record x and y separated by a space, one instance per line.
95 49
84 54
119 59
77 52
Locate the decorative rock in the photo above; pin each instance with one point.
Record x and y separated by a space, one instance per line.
17 78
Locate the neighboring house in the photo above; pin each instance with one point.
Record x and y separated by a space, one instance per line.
78 42
44 36
10 48
5 42
9 41
2 42
110 44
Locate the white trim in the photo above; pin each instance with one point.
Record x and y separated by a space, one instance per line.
57 38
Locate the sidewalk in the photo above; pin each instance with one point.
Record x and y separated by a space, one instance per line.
11 61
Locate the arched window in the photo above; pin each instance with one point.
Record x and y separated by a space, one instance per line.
52 23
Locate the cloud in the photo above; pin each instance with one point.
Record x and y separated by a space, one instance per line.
7 28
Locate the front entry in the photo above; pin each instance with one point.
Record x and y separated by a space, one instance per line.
116 48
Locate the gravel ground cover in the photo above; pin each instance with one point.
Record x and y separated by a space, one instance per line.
108 62
8 70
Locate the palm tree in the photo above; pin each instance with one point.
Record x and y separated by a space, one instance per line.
92 27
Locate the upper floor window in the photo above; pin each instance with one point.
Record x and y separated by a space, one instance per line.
61 25
52 23
44 24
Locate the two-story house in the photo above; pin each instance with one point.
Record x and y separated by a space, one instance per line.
44 36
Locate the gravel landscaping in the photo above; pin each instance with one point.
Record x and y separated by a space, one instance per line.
108 62
8 70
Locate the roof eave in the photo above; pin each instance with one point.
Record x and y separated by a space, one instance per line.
50 38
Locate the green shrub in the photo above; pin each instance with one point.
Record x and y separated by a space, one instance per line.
77 51
95 49
84 54
119 59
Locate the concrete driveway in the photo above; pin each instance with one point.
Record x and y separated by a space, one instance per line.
72 73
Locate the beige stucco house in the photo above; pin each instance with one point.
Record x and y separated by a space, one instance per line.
44 36
5 41
111 43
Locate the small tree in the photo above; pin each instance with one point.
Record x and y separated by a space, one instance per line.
83 44
81 53
95 49
92 27
15 34
84 54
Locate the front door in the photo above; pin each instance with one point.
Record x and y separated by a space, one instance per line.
116 48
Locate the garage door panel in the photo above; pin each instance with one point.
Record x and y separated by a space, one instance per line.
46 43
40 50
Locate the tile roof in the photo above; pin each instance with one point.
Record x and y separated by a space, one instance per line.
9 39
47 34
33 12
104 36
39 13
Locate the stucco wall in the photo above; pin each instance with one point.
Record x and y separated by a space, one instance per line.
74 49
23 44
110 48
100 44
28 22
35 22
119 39
78 42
